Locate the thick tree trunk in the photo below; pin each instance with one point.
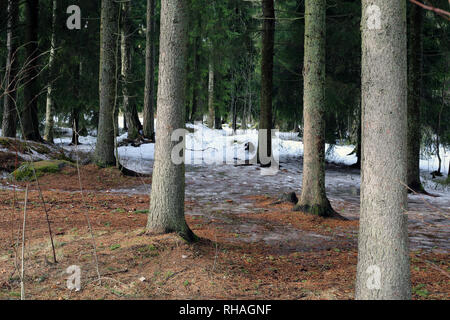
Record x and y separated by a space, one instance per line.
267 51
313 198
149 108
211 109
383 270
128 107
30 120
49 110
9 123
104 149
168 183
414 97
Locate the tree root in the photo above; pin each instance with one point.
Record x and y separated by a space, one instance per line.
322 211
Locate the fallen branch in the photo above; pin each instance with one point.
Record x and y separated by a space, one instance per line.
437 268
426 202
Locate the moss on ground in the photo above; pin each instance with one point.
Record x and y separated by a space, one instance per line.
25 171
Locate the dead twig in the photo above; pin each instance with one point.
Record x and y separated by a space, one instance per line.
426 202
434 266
22 286
86 214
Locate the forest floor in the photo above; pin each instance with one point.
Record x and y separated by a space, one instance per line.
250 246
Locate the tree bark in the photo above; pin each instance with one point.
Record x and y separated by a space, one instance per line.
414 97
211 109
358 137
150 61
104 149
383 270
193 116
438 129
75 111
9 123
30 120
75 120
313 198
49 110
168 183
267 51
128 107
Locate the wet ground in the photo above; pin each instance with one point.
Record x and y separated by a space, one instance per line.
221 193
251 246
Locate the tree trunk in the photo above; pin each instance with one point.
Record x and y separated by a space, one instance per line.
149 108
128 107
104 149
217 120
75 120
438 129
265 115
9 123
414 97
75 112
194 103
358 137
448 171
49 110
313 198
211 109
383 270
30 120
234 116
125 126
167 196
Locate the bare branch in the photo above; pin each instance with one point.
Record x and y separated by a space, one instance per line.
442 13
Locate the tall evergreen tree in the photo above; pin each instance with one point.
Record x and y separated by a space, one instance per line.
313 198
168 180
383 270
150 62
29 116
9 123
267 51
129 107
49 110
415 45
104 149
211 108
